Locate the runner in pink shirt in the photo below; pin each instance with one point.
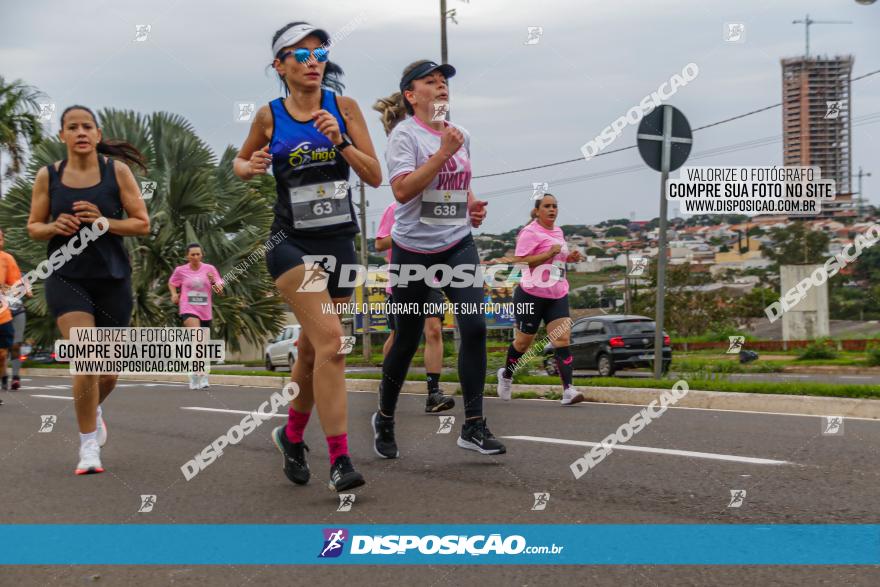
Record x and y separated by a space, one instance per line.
437 401
192 286
542 295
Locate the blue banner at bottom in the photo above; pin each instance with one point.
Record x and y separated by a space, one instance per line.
522 544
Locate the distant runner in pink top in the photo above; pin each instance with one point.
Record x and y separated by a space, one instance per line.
192 286
542 295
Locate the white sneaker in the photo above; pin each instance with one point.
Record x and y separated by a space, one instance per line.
204 382
193 381
571 396
89 458
101 430
505 386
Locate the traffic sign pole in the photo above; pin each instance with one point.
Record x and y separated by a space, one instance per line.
673 128
661 245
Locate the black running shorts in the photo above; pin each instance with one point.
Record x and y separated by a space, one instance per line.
336 251
534 309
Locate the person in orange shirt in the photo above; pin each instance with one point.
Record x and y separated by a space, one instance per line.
9 275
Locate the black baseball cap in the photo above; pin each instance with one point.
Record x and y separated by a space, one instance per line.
423 70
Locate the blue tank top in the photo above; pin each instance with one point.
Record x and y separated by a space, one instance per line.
309 171
105 257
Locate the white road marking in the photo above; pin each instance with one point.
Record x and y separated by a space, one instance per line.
198 409
662 451
52 396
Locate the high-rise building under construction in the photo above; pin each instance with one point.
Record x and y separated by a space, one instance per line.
816 129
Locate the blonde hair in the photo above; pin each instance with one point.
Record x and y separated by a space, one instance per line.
394 108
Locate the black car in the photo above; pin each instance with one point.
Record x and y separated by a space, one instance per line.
610 343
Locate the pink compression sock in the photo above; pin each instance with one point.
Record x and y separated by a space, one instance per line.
296 424
338 446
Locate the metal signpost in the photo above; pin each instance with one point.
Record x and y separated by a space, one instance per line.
664 140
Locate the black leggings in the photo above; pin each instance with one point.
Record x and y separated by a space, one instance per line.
471 325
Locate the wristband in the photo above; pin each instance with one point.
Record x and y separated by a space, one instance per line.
341 146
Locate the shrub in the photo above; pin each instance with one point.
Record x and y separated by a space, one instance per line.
818 349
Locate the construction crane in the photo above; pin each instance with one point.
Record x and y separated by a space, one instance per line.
808 21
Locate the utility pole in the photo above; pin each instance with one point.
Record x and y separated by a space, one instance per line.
368 349
443 17
808 21
626 295
861 197
444 52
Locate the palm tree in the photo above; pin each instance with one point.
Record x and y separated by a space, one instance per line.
197 199
19 123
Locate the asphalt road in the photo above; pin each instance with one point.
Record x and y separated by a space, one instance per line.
156 428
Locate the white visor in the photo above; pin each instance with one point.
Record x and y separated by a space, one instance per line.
297 33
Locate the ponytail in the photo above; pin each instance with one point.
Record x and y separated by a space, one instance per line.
121 150
395 107
392 110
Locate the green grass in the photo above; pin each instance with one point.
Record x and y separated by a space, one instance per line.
28 364
696 361
576 280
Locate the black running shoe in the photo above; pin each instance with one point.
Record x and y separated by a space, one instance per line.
343 476
437 402
295 466
475 435
383 437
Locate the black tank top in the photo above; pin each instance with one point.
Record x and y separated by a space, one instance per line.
105 257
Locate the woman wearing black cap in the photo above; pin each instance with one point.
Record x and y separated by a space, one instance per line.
312 138
430 172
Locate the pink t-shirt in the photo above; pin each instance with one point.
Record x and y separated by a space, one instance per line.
384 230
195 289
543 281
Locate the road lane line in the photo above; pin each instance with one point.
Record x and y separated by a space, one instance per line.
51 396
198 409
663 451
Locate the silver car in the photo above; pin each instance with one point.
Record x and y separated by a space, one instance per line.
282 350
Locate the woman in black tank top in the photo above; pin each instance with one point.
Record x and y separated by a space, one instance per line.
83 206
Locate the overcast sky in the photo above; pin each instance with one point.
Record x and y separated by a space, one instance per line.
524 105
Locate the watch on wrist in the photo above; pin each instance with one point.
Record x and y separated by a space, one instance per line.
343 145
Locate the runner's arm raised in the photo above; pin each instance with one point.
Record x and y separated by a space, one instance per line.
409 185
39 227
253 157
361 155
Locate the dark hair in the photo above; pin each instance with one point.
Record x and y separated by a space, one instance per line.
538 201
192 246
395 107
121 150
332 72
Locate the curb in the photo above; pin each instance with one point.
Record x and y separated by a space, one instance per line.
710 400
832 370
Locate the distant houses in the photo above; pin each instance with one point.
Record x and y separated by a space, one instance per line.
716 249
